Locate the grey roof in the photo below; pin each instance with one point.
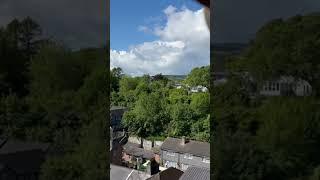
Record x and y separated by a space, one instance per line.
135 150
119 172
122 173
12 146
23 162
196 173
168 174
192 147
22 157
117 108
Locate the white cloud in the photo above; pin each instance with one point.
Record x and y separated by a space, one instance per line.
144 29
184 43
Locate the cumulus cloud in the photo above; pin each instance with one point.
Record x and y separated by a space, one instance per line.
183 43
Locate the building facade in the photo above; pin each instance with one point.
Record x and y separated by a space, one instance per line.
182 154
286 86
116 117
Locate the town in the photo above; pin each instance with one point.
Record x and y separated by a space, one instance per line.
172 157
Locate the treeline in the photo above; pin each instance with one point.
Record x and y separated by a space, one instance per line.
263 138
54 95
157 109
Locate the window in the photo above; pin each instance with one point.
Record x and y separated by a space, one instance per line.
188 156
170 153
278 88
273 86
269 86
170 164
184 167
205 160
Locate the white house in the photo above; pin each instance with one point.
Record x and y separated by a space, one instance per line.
286 85
198 89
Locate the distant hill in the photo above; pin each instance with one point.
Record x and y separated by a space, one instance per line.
176 77
220 51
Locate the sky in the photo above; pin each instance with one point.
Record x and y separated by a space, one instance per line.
239 20
169 37
77 23
82 23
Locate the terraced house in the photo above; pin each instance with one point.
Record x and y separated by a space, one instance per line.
183 153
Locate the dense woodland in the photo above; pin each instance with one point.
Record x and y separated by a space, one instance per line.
265 138
157 109
51 94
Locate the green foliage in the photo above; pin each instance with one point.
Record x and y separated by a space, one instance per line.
290 133
55 95
270 137
116 74
198 76
148 117
285 47
18 43
200 103
316 174
157 109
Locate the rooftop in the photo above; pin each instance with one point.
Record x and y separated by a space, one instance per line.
197 148
135 150
168 174
196 173
22 157
13 146
123 173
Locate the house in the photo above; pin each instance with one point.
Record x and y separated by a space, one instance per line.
286 85
123 173
21 160
168 174
183 153
197 89
196 173
116 117
133 155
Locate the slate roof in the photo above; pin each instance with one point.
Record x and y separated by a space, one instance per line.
191 147
123 173
23 162
196 173
22 157
135 150
12 146
168 174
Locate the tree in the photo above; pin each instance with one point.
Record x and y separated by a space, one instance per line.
290 134
15 55
148 117
284 48
200 104
182 118
116 75
198 76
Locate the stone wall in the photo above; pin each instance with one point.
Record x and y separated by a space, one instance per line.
135 140
147 144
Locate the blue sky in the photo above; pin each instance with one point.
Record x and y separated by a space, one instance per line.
168 37
126 16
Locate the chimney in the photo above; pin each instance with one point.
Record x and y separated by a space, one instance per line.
183 140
